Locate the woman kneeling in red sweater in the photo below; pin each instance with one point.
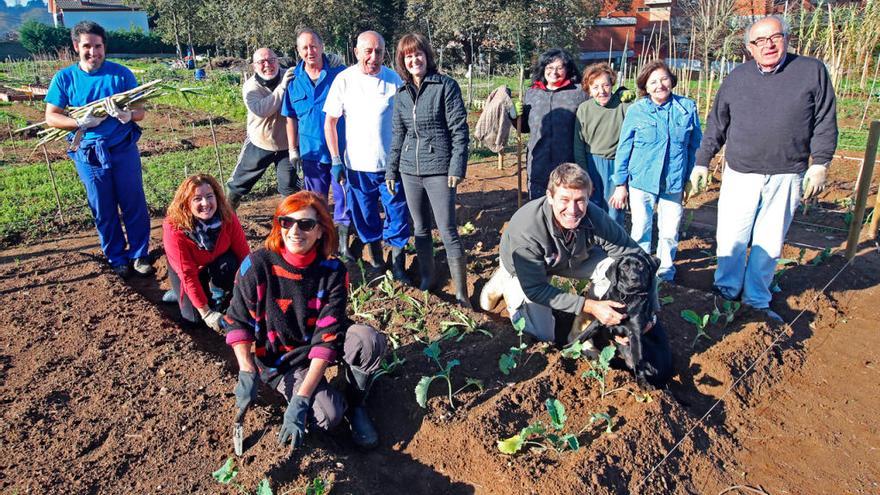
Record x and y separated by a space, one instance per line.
204 244
289 304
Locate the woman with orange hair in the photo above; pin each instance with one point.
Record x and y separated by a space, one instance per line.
289 305
204 244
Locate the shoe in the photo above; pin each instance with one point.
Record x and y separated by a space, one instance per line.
342 233
458 271
363 433
124 271
492 292
398 266
169 296
769 313
233 197
143 267
425 256
720 293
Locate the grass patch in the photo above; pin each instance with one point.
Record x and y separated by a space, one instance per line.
27 203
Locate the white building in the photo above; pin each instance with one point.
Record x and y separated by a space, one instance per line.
112 15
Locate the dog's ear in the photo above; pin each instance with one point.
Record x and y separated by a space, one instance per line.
612 274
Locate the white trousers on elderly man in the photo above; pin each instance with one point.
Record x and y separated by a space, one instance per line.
539 319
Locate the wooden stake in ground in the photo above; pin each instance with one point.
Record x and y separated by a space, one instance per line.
519 142
216 148
54 184
862 189
11 136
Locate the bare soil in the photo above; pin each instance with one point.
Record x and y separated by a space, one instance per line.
104 392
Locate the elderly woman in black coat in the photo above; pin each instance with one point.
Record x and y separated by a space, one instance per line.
548 112
429 155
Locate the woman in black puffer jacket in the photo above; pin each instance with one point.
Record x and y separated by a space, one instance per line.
429 155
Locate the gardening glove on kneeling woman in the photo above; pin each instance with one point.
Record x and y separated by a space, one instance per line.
247 389
293 429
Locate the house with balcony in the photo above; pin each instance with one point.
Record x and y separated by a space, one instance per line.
112 15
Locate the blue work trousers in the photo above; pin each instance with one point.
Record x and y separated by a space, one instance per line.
114 183
316 178
365 191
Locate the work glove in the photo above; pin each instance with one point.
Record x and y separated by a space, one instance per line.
293 429
337 169
114 111
212 319
698 181
335 60
391 184
454 181
516 110
247 389
89 120
627 95
814 180
295 161
287 77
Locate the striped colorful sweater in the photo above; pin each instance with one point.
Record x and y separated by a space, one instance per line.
292 307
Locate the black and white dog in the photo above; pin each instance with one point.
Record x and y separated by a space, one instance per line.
647 353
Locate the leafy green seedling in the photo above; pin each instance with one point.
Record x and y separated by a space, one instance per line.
510 360
389 288
688 220
821 257
432 351
700 323
226 476
600 367
465 323
667 300
729 312
574 350
467 229
599 417
357 299
316 487
540 437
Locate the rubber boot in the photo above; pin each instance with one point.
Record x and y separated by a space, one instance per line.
377 256
342 232
233 197
458 271
425 255
398 266
363 432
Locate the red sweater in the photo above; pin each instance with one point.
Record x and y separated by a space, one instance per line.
186 259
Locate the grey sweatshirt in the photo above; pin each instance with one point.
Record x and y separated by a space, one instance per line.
533 249
773 122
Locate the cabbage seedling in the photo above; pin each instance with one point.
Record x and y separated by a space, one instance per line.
432 351
540 437
599 368
729 312
609 423
227 473
699 323
510 360
465 323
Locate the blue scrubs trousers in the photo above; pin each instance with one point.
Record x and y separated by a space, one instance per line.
113 181
365 190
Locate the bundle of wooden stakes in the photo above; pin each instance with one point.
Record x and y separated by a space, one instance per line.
124 99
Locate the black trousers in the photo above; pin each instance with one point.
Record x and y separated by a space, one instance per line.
217 279
253 162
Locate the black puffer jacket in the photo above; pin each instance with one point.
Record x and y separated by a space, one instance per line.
430 129
549 118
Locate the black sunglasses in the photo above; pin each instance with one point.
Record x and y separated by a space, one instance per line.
304 224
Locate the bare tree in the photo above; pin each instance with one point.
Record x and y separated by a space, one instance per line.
710 23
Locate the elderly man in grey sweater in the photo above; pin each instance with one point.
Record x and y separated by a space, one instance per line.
558 234
266 142
773 113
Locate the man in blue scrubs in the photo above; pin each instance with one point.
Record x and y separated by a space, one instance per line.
104 148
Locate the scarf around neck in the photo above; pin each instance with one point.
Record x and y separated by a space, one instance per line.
205 233
268 83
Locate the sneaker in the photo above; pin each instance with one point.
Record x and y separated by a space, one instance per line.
124 271
363 433
143 267
169 296
492 292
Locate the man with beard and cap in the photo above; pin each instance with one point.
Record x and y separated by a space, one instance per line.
304 108
104 149
364 95
266 142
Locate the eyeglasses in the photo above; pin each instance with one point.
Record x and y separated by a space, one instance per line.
266 61
304 224
766 41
